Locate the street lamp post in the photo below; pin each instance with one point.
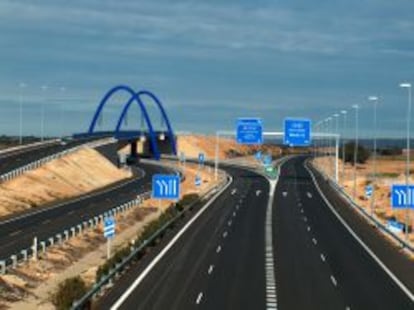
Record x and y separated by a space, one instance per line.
42 113
62 90
343 112
374 99
356 107
21 87
407 174
336 117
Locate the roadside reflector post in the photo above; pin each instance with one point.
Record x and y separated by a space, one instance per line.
2 267
35 248
14 260
24 253
43 245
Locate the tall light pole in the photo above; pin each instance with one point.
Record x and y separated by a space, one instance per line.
42 113
328 144
407 173
356 107
21 87
374 99
62 90
343 112
336 117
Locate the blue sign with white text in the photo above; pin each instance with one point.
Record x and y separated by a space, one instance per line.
166 186
197 181
109 227
297 132
249 131
368 190
402 197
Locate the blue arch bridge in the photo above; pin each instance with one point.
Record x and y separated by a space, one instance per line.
152 143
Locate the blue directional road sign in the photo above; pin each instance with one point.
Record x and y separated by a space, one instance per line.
368 190
166 186
402 197
258 155
395 226
197 181
201 158
109 227
297 132
267 160
249 131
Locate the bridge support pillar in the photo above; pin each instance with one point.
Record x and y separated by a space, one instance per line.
134 152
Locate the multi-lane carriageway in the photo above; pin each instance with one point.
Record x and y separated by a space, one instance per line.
301 247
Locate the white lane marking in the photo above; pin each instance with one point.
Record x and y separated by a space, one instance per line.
229 223
309 228
234 190
364 246
323 258
153 263
258 192
237 207
15 233
301 210
309 195
271 296
314 241
225 234
210 269
284 194
305 219
234 214
199 297
218 249
334 281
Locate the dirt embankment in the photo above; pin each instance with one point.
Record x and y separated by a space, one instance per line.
72 175
31 285
389 171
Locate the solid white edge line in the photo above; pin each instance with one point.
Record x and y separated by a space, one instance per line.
401 285
147 270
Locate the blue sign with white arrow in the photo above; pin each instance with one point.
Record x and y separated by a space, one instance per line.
297 132
109 227
165 186
201 158
402 197
368 190
249 131
197 181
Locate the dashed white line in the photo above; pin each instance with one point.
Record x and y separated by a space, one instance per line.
225 234
314 241
199 297
237 207
309 194
309 228
334 281
229 223
210 269
218 249
15 233
323 258
234 214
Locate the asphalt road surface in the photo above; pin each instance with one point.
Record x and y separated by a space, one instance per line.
223 260
17 233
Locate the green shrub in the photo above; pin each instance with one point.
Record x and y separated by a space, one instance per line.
362 157
70 290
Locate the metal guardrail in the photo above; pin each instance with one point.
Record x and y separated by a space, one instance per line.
119 268
27 146
91 223
38 163
362 211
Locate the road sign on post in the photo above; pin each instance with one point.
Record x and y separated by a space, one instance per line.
395 227
166 186
267 160
258 155
249 131
197 180
402 197
368 191
297 132
109 233
201 158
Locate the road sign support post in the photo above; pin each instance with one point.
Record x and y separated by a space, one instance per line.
337 159
108 248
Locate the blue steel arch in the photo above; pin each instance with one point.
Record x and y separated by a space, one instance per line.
133 98
162 111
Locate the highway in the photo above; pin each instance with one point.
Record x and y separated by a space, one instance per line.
219 262
18 158
17 232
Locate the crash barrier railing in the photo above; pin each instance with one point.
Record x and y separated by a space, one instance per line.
38 163
28 146
363 212
92 223
119 268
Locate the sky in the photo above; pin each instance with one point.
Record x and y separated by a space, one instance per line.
209 62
